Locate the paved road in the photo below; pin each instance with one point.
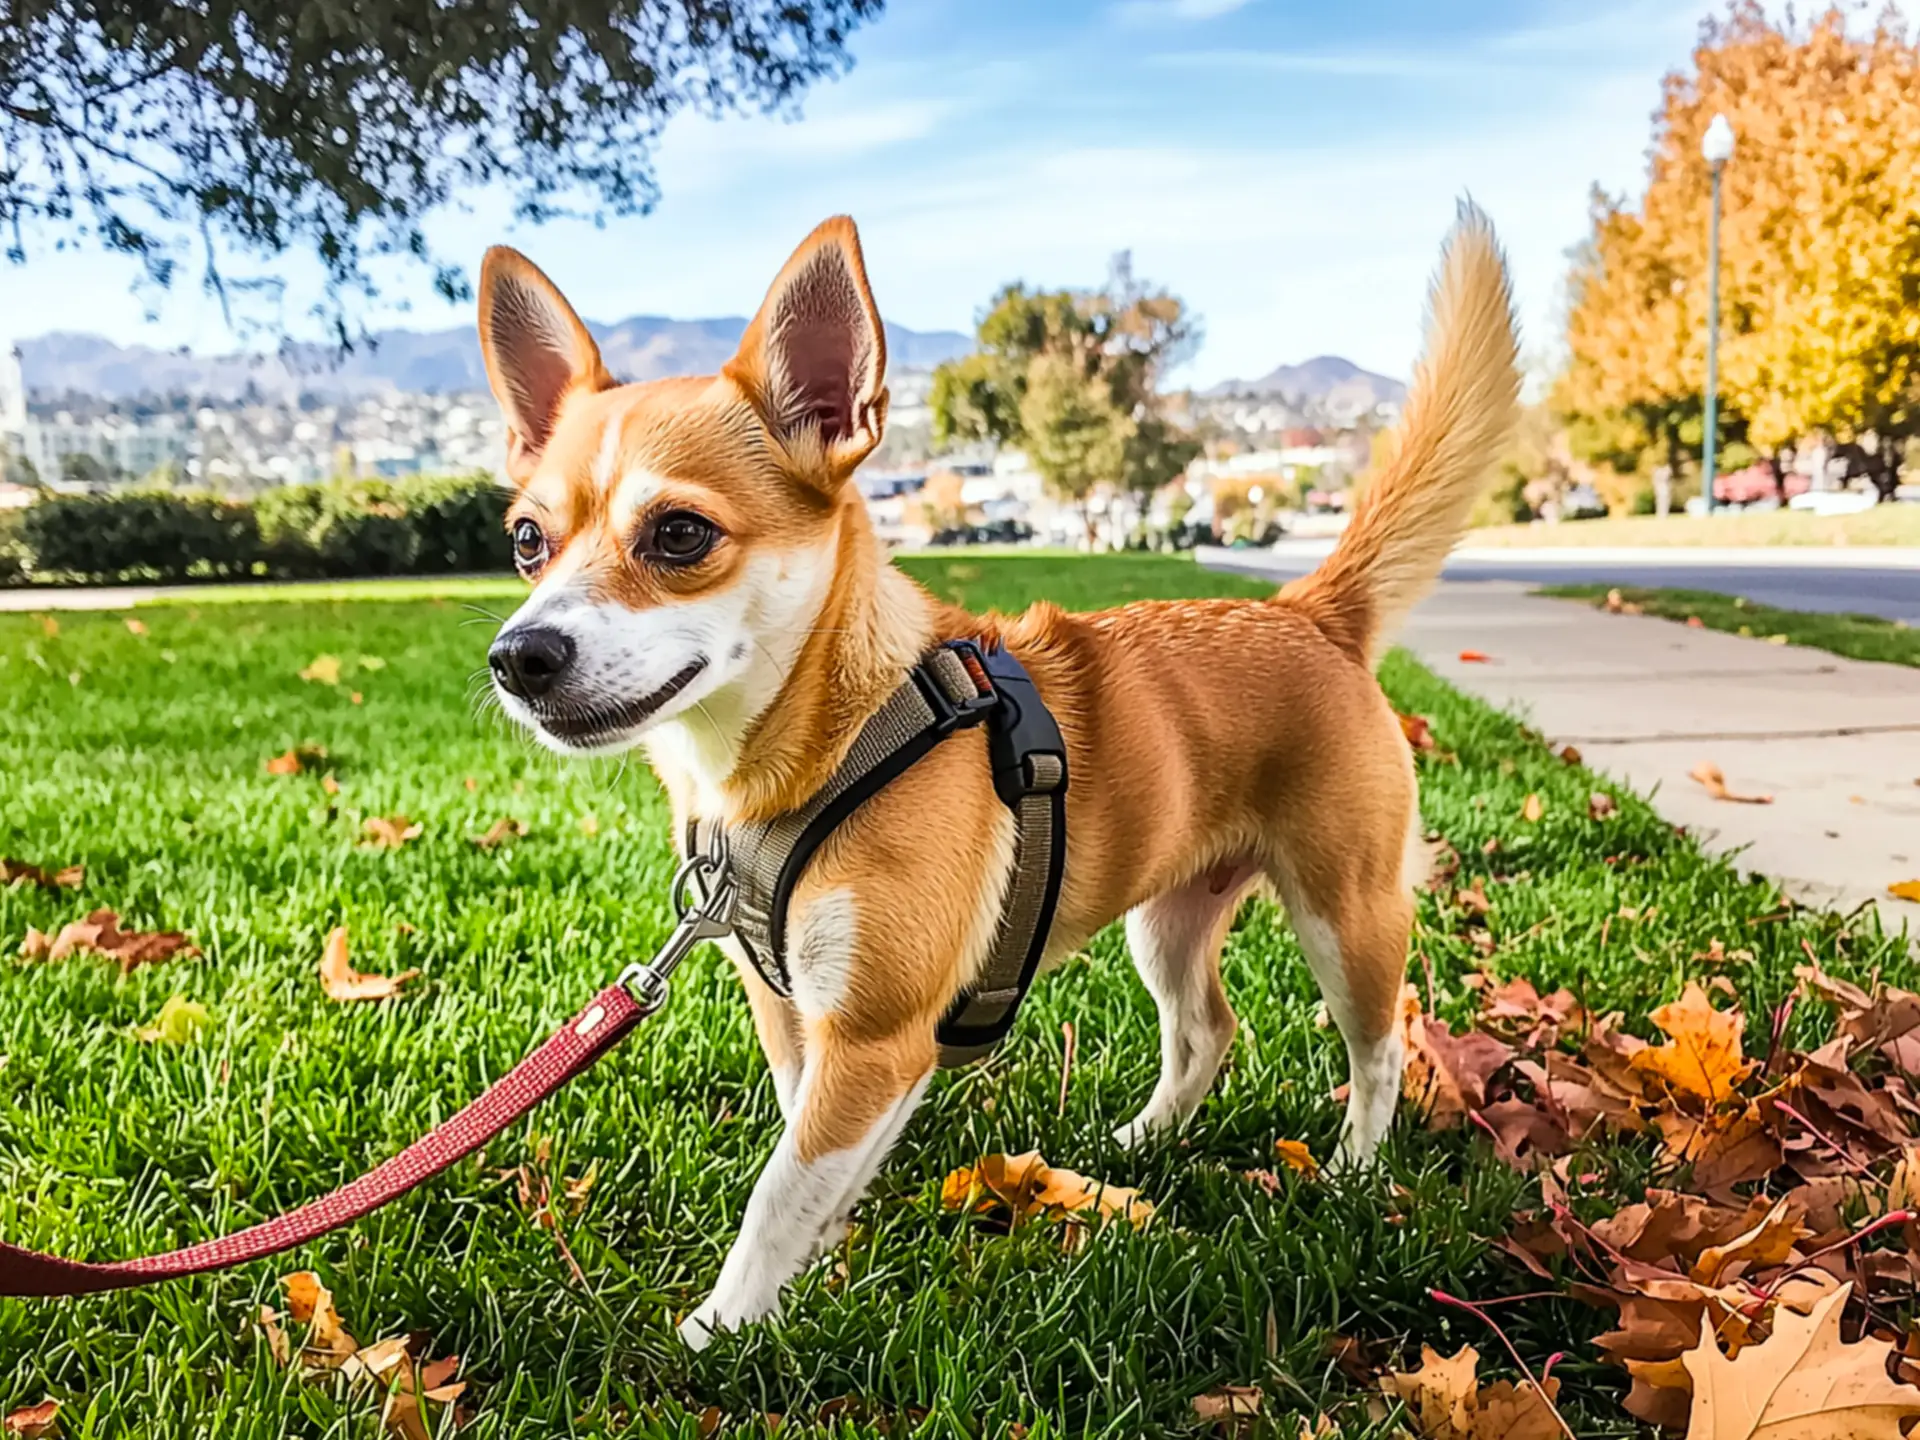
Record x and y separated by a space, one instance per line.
1867 583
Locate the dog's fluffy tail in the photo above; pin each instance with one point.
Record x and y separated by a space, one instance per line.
1459 415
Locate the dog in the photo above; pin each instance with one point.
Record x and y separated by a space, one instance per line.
706 583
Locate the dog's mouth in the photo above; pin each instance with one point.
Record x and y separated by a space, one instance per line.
593 724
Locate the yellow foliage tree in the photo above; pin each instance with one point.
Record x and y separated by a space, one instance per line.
1820 250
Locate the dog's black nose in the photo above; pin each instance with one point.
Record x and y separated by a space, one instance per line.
527 663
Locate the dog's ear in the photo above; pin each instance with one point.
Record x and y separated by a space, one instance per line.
814 360
538 353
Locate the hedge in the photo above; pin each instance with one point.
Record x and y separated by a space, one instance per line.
433 525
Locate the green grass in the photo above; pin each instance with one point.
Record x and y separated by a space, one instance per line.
1858 637
141 757
1880 525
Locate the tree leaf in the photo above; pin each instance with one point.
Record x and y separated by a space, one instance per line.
1801 1383
344 983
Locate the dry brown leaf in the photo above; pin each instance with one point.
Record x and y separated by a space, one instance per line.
1231 1407
1473 899
1296 1157
1532 809
329 784
1475 657
136 627
293 762
1702 1057
324 670
504 829
50 627
1418 730
1770 1242
1028 1188
100 934
277 1343
388 832
1445 1401
1801 1383
328 1345
1601 806
1570 755
34 1422
342 982
1709 776
15 873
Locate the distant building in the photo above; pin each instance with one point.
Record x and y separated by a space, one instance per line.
124 446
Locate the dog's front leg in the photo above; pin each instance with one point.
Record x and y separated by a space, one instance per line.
855 1097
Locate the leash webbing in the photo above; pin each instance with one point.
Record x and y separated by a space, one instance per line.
571 1050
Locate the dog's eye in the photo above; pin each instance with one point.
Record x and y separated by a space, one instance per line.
529 545
681 537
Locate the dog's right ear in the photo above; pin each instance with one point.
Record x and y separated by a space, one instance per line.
538 353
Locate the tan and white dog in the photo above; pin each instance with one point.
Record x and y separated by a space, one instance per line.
707 582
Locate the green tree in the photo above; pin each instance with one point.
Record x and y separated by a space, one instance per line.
1072 377
255 128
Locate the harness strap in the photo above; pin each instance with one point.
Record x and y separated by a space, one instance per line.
956 686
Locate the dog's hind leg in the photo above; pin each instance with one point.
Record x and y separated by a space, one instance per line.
854 1098
1357 951
1175 939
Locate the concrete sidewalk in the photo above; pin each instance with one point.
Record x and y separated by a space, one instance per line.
1836 742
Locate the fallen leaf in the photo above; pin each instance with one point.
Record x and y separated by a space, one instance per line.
1709 775
136 627
1533 808
589 825
1776 640
329 784
1601 806
342 982
1570 755
1296 1157
388 832
179 1020
1702 1057
1473 899
50 627
15 873
1475 657
277 1344
296 760
1445 1401
328 1345
324 670
35 1422
1232 1407
1802 1381
1418 730
504 829
1768 1243
100 934
356 697
1028 1188
1905 890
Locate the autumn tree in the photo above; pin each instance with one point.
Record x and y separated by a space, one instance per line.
254 128
1820 247
1072 377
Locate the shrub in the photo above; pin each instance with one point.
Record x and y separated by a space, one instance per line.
140 535
461 521
13 550
436 525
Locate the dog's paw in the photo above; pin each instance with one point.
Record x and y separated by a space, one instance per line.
1134 1134
698 1329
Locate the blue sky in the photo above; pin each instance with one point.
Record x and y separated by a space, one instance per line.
1288 166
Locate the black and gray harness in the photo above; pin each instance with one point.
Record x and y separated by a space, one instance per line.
956 686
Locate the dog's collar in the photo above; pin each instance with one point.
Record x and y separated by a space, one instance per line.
956 686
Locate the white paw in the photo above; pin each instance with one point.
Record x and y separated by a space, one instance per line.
699 1328
1136 1132
715 1318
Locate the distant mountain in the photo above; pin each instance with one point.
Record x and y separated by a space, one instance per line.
1334 382
433 361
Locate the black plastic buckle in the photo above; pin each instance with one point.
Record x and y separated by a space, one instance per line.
947 716
1022 728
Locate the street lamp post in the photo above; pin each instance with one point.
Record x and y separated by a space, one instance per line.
1716 146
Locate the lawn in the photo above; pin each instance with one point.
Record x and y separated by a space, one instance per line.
1858 637
1882 525
140 755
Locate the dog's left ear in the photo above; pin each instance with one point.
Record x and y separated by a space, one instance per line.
814 360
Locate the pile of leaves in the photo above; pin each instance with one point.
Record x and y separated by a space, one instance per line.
1789 1182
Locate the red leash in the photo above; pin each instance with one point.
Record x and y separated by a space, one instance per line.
572 1050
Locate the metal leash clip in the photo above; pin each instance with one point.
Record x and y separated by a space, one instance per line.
704 893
